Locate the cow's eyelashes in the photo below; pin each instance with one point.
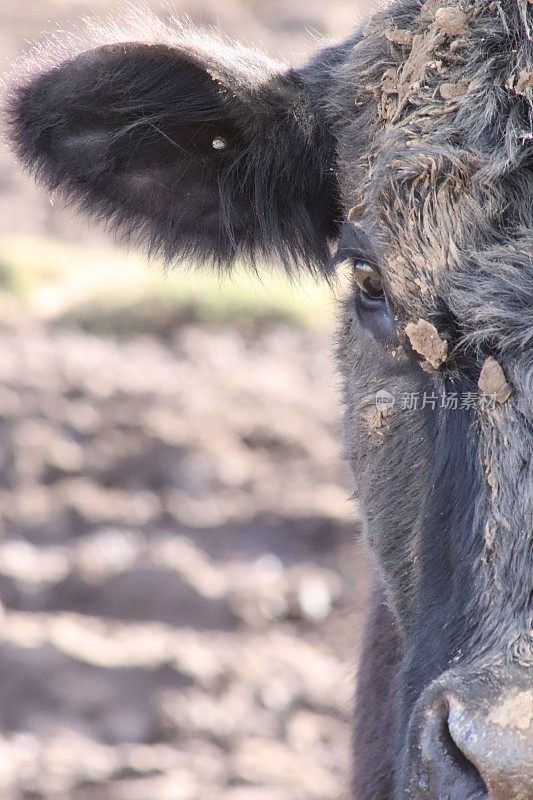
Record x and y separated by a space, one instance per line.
355 246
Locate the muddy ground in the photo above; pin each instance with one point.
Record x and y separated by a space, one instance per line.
181 582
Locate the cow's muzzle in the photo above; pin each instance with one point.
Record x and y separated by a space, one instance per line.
471 738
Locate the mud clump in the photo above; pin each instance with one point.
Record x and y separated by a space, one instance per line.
451 21
524 82
452 91
491 478
492 381
429 9
377 420
427 342
399 36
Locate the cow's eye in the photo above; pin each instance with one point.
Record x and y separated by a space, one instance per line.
369 282
371 305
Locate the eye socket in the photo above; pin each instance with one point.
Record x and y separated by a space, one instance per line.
369 281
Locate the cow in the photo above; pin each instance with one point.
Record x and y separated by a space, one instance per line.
404 153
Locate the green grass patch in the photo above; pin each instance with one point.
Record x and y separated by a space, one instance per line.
104 290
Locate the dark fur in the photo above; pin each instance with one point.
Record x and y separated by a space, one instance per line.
446 191
129 138
376 704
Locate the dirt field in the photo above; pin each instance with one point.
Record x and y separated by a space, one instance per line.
181 584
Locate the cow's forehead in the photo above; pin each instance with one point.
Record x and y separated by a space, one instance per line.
436 131
434 111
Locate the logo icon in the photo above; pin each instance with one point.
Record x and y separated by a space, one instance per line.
384 401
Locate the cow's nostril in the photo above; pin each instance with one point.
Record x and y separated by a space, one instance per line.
470 777
445 771
496 743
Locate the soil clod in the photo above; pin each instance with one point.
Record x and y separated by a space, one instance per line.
493 382
426 341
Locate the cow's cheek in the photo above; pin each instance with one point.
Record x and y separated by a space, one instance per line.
387 446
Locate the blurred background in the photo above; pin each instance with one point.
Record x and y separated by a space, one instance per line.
181 584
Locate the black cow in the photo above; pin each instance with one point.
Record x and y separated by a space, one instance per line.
409 147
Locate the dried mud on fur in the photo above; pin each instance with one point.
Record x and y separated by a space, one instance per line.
524 82
377 422
398 87
451 21
427 342
399 36
376 419
490 476
451 91
493 382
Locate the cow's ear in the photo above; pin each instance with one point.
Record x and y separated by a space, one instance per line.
200 150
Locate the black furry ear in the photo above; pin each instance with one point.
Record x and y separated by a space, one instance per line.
196 148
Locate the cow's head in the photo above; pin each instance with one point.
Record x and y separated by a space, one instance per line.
410 147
